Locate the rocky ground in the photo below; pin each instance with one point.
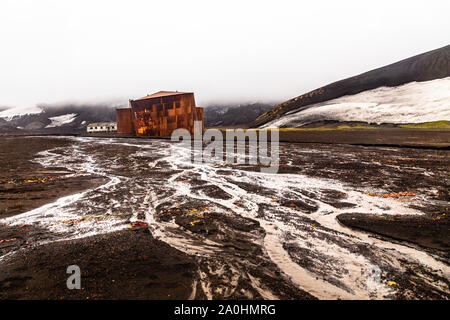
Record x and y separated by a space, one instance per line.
144 222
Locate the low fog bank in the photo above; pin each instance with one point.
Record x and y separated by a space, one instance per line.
73 117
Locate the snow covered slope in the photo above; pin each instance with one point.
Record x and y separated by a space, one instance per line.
12 113
61 120
427 66
413 102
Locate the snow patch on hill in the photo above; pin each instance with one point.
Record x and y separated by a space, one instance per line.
61 120
413 102
10 114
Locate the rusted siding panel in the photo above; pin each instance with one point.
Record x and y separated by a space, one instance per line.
124 121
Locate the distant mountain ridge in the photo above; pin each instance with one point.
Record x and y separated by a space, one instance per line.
347 95
74 118
69 118
423 67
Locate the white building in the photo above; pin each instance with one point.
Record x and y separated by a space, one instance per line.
102 127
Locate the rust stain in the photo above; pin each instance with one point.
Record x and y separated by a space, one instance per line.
124 121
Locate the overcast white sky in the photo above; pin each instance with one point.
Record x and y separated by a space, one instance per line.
86 50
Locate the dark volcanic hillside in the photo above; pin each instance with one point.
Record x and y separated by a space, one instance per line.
423 67
232 115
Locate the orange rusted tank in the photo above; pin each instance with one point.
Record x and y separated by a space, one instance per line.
124 121
159 114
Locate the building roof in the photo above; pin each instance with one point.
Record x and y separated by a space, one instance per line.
100 124
160 94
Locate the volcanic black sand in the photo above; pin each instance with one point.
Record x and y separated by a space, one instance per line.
430 231
126 264
156 227
394 137
25 185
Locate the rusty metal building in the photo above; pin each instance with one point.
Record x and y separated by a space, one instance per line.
159 114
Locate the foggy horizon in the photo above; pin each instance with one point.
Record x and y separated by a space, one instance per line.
79 52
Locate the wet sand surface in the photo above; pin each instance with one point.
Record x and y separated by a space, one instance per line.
143 222
26 185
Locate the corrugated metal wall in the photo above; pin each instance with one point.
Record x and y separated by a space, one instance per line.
160 116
